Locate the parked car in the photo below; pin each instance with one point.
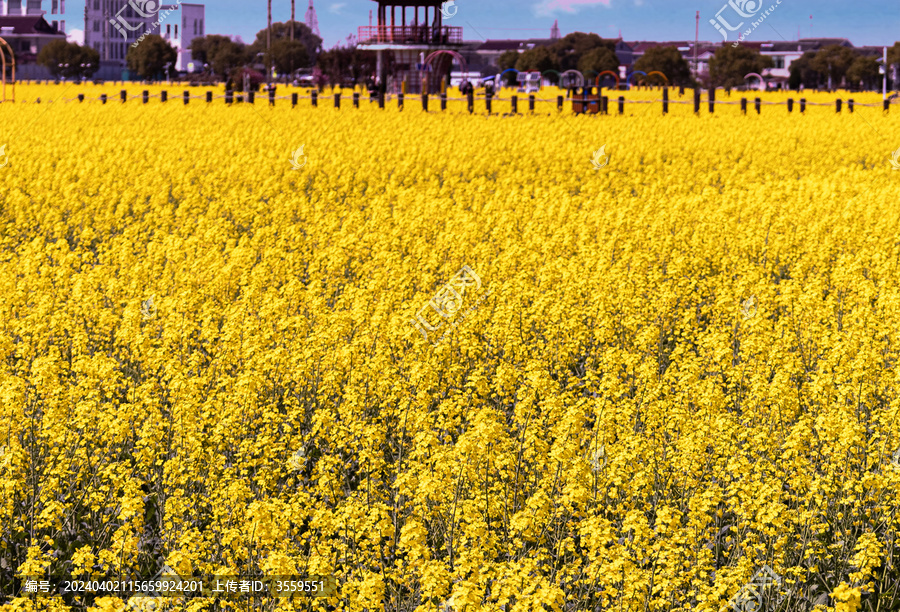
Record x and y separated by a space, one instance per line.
305 78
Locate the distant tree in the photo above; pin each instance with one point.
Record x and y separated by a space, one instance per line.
61 52
350 65
150 57
598 59
507 59
539 58
802 72
91 58
863 72
729 65
282 31
669 61
288 56
221 53
236 79
571 48
834 61
893 58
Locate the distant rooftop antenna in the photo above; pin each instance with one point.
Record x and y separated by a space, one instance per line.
312 21
554 31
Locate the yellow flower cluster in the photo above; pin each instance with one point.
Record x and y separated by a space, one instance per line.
684 368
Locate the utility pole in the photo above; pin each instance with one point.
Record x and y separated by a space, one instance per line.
293 14
269 47
696 42
884 66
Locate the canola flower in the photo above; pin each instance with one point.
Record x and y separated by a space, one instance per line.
466 475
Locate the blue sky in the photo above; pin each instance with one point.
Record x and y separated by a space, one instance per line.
864 22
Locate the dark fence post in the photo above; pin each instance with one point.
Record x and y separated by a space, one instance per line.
531 102
124 95
712 100
380 99
604 105
209 97
251 96
559 103
758 104
146 96
271 96
488 96
837 105
229 96
680 90
337 100
887 106
103 98
790 105
81 97
294 99
425 102
621 105
164 96
400 100
355 99
665 100
315 97
515 105
187 97
697 100
470 100
444 101
744 105
850 105
802 105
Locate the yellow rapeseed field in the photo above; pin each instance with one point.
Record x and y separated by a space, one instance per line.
450 361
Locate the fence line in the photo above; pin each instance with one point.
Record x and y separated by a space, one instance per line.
579 103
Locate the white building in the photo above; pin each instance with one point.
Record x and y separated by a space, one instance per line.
112 26
14 8
180 27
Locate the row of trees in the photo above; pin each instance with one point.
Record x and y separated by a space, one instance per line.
227 59
222 57
835 65
590 53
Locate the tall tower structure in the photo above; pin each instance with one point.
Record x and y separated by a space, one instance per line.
413 31
554 31
312 21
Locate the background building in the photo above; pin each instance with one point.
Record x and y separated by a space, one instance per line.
112 26
179 28
23 26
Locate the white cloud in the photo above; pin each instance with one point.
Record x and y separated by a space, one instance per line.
75 35
337 7
549 7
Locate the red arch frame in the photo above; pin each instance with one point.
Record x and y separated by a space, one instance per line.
4 46
610 72
459 58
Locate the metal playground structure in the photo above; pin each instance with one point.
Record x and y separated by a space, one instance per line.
4 48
